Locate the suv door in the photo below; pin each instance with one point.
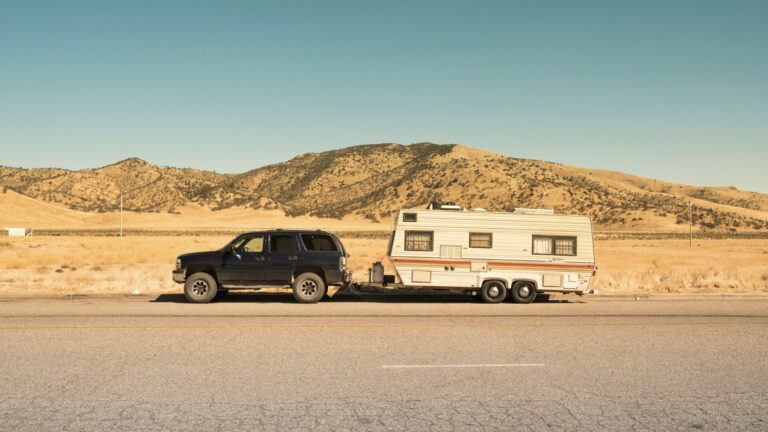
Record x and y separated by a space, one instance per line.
244 260
281 259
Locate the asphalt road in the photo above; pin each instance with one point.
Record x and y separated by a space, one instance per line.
391 363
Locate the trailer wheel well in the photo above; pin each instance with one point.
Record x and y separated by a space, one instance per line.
502 281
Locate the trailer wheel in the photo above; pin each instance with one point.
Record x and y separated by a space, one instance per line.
493 292
200 288
523 292
308 288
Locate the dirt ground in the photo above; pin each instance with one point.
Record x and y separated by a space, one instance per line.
108 265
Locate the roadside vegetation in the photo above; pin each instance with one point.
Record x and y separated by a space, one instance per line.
68 265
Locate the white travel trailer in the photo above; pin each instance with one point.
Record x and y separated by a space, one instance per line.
493 254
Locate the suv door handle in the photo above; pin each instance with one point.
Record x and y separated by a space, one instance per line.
292 257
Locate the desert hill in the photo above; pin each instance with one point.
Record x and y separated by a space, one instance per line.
373 181
146 187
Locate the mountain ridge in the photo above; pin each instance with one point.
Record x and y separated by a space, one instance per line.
374 180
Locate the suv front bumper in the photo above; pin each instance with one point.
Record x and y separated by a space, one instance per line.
179 276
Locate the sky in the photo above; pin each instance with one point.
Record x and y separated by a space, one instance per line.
674 90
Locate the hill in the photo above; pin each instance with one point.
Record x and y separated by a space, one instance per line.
146 187
373 181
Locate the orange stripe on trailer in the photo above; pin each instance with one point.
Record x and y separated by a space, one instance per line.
430 261
440 262
529 264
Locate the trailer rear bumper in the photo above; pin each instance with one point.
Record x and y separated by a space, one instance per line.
567 291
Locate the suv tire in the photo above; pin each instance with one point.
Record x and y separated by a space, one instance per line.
200 288
308 288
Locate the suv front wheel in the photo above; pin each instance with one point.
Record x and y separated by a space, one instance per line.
308 288
200 288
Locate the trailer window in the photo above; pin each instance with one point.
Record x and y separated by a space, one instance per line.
409 217
565 246
318 243
418 240
554 245
481 240
542 245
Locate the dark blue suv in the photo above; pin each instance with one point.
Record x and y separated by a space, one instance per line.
308 262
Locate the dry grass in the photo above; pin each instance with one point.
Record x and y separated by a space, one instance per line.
710 266
70 265
20 210
66 265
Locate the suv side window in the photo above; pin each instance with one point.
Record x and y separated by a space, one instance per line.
318 243
254 245
282 243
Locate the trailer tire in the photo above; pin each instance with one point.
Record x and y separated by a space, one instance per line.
493 292
308 288
200 287
523 292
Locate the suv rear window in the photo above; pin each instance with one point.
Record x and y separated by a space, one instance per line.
319 243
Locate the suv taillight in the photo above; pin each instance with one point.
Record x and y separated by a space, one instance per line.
178 264
343 263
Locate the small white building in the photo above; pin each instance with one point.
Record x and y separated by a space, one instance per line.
18 232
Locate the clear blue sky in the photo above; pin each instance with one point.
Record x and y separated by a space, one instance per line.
676 90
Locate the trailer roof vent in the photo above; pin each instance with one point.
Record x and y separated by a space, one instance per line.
534 211
443 206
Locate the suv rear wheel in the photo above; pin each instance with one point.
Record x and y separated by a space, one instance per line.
200 288
308 288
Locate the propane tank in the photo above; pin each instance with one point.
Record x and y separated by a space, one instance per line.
376 273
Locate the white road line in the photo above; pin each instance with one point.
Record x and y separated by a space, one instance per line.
464 365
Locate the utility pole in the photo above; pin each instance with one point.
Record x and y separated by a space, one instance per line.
690 224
